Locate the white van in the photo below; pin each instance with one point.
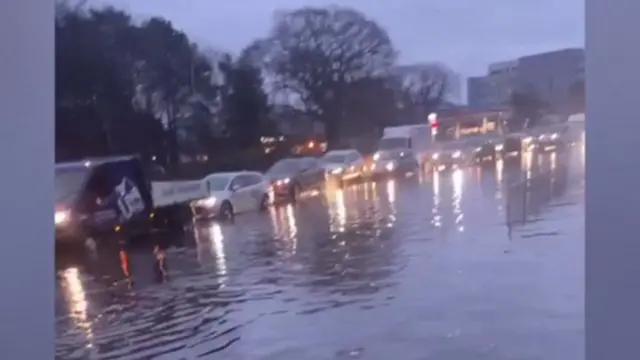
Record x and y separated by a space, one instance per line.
416 138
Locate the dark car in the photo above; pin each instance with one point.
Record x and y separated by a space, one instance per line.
450 155
101 197
483 149
551 139
515 144
388 162
291 177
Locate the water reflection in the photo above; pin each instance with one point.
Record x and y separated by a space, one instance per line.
499 170
211 250
337 211
437 197
391 197
527 159
458 187
75 296
528 199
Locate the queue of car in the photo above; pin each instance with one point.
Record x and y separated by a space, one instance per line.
98 198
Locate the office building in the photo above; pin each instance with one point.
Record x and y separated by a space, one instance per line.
549 74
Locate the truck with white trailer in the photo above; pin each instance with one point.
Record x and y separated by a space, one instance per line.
116 197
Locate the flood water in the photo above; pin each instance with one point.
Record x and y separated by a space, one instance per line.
470 264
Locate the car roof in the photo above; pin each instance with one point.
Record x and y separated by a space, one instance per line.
90 162
234 173
341 152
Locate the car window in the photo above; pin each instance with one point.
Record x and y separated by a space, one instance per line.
236 183
254 179
218 182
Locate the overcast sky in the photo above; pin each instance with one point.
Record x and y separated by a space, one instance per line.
465 34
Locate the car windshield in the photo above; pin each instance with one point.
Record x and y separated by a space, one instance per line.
393 143
285 166
335 158
69 181
218 182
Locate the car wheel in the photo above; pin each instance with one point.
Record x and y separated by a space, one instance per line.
264 203
226 211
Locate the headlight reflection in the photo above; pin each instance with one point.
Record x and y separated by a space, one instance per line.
338 211
217 246
437 218
458 187
391 191
76 298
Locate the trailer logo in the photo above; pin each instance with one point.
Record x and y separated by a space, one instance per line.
129 199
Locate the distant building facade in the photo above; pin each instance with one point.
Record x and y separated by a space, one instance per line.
550 74
495 88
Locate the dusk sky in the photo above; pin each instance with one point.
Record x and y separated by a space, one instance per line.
465 34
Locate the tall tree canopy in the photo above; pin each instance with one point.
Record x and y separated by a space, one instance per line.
317 53
124 88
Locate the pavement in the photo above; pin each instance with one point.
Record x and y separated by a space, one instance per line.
478 263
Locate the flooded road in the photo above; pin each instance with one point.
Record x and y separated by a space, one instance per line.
470 264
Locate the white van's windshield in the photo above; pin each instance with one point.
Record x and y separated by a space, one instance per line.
69 181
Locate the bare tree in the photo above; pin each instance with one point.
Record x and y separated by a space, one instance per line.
316 53
420 90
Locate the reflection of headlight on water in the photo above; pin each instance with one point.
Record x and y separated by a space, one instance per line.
62 217
376 156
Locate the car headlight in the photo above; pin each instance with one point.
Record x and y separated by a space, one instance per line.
478 149
208 202
554 136
499 147
376 156
283 181
62 217
435 156
390 166
336 171
457 154
542 137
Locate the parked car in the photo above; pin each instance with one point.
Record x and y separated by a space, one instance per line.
343 165
290 177
232 193
108 197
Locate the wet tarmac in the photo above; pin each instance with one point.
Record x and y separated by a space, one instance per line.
478 263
